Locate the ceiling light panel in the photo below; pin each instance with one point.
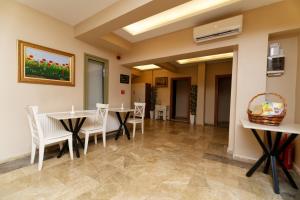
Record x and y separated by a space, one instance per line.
147 67
206 58
183 11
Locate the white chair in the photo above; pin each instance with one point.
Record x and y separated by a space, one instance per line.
98 125
138 116
45 131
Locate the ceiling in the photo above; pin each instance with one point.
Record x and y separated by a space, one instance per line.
236 7
100 22
69 11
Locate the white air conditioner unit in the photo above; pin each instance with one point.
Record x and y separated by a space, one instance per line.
219 29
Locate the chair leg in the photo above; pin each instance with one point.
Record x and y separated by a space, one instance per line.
95 137
123 131
33 150
70 142
41 156
142 127
86 142
104 139
134 126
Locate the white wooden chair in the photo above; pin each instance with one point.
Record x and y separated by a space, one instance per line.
98 125
45 131
138 116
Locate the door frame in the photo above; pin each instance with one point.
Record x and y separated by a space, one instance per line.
217 78
105 81
189 79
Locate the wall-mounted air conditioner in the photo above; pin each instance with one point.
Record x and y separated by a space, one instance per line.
219 29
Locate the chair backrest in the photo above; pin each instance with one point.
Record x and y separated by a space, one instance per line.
34 124
102 113
139 109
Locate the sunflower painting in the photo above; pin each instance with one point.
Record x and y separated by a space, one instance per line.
38 64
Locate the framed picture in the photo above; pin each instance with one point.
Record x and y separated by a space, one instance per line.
124 78
42 65
161 82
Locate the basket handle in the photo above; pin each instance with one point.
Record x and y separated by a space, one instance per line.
267 93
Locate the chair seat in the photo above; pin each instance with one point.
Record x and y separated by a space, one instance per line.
91 129
134 121
57 134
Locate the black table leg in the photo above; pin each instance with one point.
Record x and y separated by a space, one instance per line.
76 139
271 153
64 148
269 139
62 151
262 158
125 127
256 165
122 125
281 149
274 175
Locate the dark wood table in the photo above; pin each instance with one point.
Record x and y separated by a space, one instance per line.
79 117
122 125
272 149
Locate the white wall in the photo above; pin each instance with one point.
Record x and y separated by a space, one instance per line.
200 94
138 93
20 22
285 85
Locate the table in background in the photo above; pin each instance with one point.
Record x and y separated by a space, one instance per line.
161 109
122 122
80 117
272 151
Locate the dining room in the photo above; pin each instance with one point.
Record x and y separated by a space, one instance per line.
71 128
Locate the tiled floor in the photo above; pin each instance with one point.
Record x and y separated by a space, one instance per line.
170 161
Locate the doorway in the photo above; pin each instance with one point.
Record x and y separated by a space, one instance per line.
222 101
180 98
96 81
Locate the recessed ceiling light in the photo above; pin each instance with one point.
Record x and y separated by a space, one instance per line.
147 67
206 58
183 11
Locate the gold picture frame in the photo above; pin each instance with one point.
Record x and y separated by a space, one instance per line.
161 82
43 65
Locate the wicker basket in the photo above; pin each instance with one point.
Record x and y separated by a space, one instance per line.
273 120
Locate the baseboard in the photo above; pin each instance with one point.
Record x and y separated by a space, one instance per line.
206 124
15 158
229 151
29 153
244 158
296 168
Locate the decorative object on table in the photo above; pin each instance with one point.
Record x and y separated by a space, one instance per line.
267 112
72 110
124 78
153 93
122 106
161 82
43 65
193 103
